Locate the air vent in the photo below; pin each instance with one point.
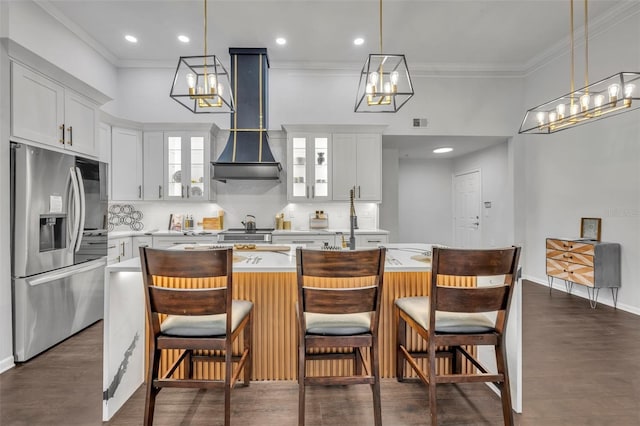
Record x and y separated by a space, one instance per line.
420 122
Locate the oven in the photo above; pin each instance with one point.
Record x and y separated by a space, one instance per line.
240 235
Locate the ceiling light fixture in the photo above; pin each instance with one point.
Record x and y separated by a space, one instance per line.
201 83
606 98
183 38
385 83
442 150
358 41
130 38
281 41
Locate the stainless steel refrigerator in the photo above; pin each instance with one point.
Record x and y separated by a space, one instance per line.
58 244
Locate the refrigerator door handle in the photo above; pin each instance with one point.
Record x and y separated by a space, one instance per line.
73 209
83 208
66 272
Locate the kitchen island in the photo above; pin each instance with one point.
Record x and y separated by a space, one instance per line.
268 279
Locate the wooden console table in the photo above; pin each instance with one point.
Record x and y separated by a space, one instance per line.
593 264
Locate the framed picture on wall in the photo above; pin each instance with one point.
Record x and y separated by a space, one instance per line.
590 228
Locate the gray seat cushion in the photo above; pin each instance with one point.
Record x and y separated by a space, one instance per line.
205 325
446 322
338 324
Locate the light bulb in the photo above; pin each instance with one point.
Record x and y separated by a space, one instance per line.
598 100
540 116
552 117
584 102
211 79
369 88
560 109
394 76
373 78
220 89
573 109
387 87
614 89
628 91
191 80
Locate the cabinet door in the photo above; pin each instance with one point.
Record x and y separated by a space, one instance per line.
357 165
126 164
370 240
153 166
345 150
369 167
310 157
119 249
37 107
187 166
80 123
140 241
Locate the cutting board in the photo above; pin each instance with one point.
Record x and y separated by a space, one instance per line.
211 223
255 247
421 258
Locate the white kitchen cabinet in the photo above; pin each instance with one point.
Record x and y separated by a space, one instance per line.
186 166
153 166
308 240
47 112
140 241
371 240
309 167
119 249
357 165
126 164
165 242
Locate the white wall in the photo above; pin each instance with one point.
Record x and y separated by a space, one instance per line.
424 199
389 208
496 223
588 171
6 339
34 29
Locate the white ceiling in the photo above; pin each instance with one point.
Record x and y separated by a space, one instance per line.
463 36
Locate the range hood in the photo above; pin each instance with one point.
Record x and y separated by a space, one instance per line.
247 155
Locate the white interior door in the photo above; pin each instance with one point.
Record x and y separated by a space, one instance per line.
466 199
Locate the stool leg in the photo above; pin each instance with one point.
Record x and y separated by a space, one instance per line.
401 340
301 380
433 409
248 333
227 382
505 388
152 391
375 366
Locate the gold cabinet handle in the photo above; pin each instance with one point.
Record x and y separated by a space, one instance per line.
61 140
70 130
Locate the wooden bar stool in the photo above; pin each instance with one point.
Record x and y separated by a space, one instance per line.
198 320
339 323
454 317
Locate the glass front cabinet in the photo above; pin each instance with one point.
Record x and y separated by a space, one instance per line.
187 166
309 171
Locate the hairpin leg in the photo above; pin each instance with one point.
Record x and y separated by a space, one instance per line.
568 285
614 295
593 296
550 279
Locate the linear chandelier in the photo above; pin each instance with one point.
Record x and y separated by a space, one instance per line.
606 98
201 83
385 83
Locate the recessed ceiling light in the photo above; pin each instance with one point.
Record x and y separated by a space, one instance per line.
281 41
130 38
183 38
442 150
359 41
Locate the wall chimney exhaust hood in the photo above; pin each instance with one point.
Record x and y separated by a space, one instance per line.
247 155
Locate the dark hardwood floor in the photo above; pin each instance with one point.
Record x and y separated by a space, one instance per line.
580 367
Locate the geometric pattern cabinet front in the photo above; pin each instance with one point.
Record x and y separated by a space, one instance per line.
590 263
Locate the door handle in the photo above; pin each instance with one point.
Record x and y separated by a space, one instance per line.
160 191
70 130
61 140
476 223
139 191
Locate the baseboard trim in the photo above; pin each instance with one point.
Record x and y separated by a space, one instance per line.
6 364
580 291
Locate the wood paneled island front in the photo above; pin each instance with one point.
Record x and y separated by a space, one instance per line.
268 279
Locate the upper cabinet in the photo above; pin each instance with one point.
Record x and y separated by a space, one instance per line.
186 167
309 167
46 112
357 165
126 164
153 187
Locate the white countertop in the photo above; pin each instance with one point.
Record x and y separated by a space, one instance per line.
398 259
214 232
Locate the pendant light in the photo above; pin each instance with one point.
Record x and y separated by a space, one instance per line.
201 83
608 97
385 83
